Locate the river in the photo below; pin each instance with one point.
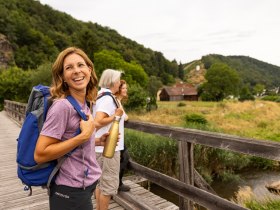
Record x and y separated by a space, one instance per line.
254 181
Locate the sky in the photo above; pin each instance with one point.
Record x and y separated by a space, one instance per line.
187 30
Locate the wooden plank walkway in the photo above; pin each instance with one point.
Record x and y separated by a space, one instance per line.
13 197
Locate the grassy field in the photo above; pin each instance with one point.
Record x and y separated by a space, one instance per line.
255 119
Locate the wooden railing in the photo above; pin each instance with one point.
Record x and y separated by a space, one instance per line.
15 110
186 139
191 187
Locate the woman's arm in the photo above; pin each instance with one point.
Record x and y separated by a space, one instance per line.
102 119
48 148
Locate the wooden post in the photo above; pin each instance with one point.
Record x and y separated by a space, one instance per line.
186 171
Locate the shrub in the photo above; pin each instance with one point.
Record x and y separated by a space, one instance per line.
245 94
195 118
271 98
136 98
181 104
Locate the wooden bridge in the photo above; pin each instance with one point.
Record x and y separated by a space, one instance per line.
13 196
191 188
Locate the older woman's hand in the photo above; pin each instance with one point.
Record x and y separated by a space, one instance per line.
119 112
102 140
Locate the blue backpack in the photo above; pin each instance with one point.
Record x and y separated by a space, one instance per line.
29 172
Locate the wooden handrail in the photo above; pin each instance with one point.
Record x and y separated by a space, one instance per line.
262 148
197 195
15 110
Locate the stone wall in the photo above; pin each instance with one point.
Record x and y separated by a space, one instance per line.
6 52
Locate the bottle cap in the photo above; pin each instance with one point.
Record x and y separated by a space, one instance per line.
117 118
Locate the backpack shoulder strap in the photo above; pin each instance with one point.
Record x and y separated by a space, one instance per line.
109 94
77 107
54 171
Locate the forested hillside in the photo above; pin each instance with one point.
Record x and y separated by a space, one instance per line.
32 34
37 33
251 71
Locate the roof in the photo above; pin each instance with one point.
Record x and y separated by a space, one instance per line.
184 90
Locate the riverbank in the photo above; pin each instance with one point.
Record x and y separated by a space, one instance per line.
250 189
254 180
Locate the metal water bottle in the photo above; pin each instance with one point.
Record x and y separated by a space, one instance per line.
112 139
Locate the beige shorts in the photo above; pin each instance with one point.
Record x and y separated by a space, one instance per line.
109 180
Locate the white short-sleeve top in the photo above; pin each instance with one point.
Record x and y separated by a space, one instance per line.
107 105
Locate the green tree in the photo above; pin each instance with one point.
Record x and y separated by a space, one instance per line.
15 84
42 75
172 68
222 81
154 84
136 97
37 33
87 40
245 94
258 89
133 72
181 74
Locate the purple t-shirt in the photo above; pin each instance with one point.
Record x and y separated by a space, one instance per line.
62 123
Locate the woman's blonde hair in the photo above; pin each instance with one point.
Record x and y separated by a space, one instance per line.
109 77
58 88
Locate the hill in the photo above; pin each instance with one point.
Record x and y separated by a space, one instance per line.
38 32
251 71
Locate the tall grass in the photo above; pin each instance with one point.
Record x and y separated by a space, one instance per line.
156 152
254 119
245 197
265 205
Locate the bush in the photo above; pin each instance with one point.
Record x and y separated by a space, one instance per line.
271 98
180 104
195 118
15 85
245 94
136 98
42 75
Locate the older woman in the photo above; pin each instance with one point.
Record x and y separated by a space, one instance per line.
106 110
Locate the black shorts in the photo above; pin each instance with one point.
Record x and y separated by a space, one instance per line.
71 198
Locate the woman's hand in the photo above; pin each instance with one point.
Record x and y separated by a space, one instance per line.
87 127
102 140
119 112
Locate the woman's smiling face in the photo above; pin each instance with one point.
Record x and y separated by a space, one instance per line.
123 90
76 73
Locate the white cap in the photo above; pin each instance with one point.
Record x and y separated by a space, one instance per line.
117 118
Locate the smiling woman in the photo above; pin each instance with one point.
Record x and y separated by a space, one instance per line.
72 75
